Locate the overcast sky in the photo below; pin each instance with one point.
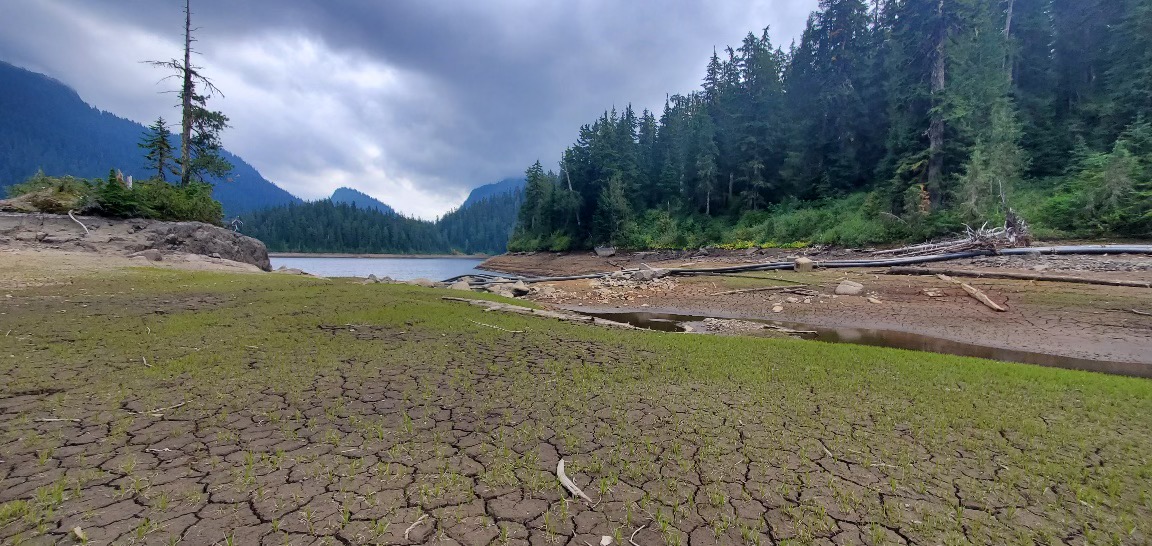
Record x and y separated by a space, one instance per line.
413 102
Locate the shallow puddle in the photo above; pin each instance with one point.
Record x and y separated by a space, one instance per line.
666 322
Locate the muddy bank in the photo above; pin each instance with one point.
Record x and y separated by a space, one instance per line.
150 239
1070 320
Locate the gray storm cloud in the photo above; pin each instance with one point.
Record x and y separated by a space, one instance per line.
413 102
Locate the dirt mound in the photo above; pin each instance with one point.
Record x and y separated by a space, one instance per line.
123 237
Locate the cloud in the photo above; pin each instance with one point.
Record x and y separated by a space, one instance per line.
412 102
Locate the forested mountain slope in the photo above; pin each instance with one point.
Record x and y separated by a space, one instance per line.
45 125
360 199
480 227
888 119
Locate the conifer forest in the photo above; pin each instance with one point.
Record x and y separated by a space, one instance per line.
886 120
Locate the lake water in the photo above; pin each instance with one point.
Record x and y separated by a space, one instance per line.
401 269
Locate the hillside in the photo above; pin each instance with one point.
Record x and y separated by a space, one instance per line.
508 185
328 225
360 199
45 125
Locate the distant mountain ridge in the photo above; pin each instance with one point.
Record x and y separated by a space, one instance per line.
360 199
508 185
45 125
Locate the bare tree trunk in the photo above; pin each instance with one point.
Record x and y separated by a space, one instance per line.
936 128
1009 60
186 99
730 182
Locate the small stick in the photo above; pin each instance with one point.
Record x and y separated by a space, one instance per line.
413 526
498 328
86 232
145 359
762 289
1141 313
55 420
631 538
155 412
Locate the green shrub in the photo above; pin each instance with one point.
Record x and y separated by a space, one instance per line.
152 199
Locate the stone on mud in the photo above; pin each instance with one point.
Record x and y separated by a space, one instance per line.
461 285
804 265
849 288
151 254
519 288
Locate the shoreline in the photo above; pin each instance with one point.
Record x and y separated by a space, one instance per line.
350 255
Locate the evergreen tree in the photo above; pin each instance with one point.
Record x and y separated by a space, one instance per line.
157 144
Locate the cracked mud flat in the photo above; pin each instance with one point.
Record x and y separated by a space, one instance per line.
1071 320
161 407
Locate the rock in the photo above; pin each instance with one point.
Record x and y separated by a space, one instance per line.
777 308
290 271
792 300
605 251
422 282
503 291
849 288
804 265
122 237
461 285
873 300
371 278
151 254
643 275
519 288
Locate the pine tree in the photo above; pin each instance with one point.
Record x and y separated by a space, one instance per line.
158 145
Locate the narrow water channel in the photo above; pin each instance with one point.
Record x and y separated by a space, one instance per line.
666 322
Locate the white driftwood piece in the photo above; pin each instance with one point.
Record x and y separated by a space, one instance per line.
568 484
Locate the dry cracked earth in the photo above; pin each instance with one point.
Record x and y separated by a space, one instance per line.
425 430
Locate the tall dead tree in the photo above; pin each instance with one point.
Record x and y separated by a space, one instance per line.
936 127
199 127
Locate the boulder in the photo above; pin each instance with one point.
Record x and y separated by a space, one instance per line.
290 271
371 278
519 288
804 265
422 282
605 251
151 254
849 288
643 275
461 285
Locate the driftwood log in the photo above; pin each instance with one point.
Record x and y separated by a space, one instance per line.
761 289
975 293
1015 276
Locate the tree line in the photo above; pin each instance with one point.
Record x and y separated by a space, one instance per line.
482 227
902 117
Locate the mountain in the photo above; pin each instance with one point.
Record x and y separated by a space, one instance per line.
360 199
353 222
508 185
45 125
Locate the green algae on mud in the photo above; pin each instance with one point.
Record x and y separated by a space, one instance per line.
155 405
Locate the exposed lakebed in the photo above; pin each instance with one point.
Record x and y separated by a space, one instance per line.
672 322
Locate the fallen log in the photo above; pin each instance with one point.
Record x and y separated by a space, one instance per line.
1015 276
974 292
761 289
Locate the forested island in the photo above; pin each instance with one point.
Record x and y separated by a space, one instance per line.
888 120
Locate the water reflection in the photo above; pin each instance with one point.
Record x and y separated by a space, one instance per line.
667 322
